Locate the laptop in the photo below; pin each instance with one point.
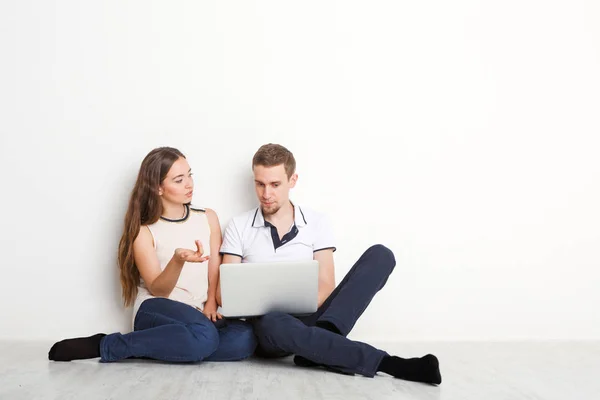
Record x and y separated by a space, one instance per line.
255 289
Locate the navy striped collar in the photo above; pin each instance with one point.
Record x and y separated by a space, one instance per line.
259 219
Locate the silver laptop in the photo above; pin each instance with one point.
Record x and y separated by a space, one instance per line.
254 289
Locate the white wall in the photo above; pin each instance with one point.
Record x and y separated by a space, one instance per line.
464 135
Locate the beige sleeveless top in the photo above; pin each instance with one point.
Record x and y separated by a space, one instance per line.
192 286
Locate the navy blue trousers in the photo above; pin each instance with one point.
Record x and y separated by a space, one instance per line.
281 334
172 331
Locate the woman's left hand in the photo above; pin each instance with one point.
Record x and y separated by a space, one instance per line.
210 310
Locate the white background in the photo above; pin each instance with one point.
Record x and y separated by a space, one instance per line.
463 135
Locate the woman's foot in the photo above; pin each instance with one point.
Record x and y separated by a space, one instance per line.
76 349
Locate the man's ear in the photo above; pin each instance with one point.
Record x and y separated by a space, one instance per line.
293 180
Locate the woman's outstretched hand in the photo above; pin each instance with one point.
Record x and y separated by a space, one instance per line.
191 255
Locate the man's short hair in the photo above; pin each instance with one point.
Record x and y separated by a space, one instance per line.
271 155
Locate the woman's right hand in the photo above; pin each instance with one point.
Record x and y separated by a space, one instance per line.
184 255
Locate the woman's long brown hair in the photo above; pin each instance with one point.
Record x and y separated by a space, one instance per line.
144 208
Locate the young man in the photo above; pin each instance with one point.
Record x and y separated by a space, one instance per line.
279 230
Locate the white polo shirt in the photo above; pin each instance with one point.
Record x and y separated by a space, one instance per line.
253 239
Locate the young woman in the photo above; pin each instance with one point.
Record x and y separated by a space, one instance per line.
169 261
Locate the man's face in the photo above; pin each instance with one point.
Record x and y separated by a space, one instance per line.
272 187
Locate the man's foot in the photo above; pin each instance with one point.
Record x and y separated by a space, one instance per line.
304 362
425 369
76 349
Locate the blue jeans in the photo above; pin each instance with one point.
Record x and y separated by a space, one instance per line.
172 331
281 334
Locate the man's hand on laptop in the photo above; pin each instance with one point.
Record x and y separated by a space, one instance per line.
191 255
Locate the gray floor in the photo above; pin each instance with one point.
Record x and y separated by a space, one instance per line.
567 370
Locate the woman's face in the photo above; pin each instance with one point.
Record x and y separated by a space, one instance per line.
178 185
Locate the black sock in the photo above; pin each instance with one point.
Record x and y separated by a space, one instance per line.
76 349
304 362
425 369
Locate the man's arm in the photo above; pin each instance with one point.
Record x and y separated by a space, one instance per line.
231 259
326 273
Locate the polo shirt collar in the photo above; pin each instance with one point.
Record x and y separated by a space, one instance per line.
259 219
